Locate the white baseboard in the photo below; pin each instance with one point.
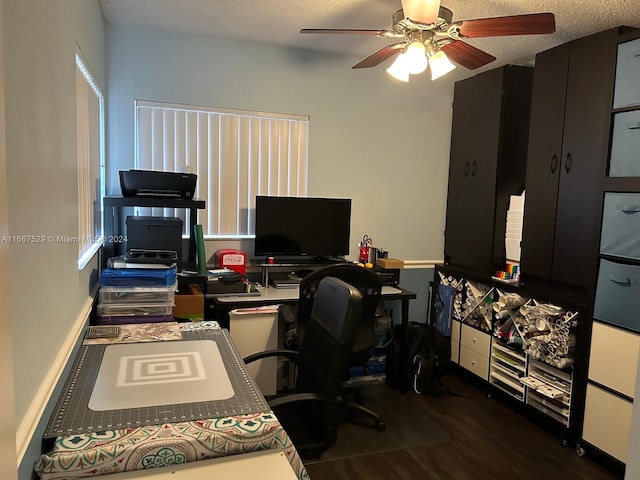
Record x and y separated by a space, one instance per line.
29 423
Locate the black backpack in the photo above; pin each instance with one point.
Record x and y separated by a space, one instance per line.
425 369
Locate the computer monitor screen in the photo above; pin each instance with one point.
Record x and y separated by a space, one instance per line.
302 226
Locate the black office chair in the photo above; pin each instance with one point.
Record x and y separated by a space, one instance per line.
370 286
311 415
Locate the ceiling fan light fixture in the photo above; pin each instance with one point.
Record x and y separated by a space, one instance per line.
440 65
399 69
416 58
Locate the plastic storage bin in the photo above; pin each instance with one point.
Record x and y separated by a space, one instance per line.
621 225
147 295
138 277
121 320
133 309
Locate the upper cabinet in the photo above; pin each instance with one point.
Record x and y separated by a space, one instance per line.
487 165
568 146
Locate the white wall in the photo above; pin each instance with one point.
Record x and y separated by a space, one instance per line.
383 143
48 295
7 419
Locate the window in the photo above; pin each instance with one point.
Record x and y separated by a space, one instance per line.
236 155
90 158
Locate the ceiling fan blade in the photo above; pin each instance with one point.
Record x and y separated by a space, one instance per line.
466 55
380 56
530 24
421 11
344 30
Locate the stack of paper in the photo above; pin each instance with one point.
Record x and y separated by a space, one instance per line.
513 235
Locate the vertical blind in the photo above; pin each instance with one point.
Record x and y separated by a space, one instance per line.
90 162
236 155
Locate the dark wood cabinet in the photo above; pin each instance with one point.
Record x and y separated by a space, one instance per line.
568 144
487 164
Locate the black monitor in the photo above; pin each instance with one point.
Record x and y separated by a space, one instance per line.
302 226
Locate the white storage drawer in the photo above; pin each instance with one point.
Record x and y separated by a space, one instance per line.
455 341
625 145
474 362
607 422
253 333
613 358
621 224
475 340
618 294
626 91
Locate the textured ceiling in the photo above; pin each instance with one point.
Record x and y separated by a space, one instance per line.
277 22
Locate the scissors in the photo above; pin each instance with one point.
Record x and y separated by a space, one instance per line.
366 241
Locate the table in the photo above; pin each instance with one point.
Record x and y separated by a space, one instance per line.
127 449
273 296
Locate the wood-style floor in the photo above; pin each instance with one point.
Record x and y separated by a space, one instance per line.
487 439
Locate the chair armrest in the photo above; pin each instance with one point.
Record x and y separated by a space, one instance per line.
303 397
290 354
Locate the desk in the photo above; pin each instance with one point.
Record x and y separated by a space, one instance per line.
135 448
272 296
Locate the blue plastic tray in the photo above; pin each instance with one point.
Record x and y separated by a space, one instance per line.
138 277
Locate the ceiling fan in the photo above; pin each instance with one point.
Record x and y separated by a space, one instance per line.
431 37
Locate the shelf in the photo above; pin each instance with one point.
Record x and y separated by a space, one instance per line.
505 371
169 202
539 405
514 369
507 381
553 374
511 353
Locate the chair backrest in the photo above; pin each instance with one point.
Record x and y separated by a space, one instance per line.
370 286
325 350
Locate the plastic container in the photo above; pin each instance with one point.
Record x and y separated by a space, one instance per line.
133 309
117 320
149 295
138 277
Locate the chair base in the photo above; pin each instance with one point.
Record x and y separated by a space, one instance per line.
356 408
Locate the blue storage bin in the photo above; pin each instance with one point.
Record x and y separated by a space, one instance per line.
138 277
625 145
618 295
621 225
626 91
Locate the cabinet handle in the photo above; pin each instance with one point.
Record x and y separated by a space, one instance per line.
466 168
474 168
622 280
628 209
554 163
568 162
474 340
473 362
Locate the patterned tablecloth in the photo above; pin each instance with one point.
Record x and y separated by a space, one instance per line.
99 453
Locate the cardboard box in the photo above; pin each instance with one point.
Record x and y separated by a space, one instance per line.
390 263
189 303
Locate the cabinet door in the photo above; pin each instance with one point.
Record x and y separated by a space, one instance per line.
567 150
543 161
472 170
584 151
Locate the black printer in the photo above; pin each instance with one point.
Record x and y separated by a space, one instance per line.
150 183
